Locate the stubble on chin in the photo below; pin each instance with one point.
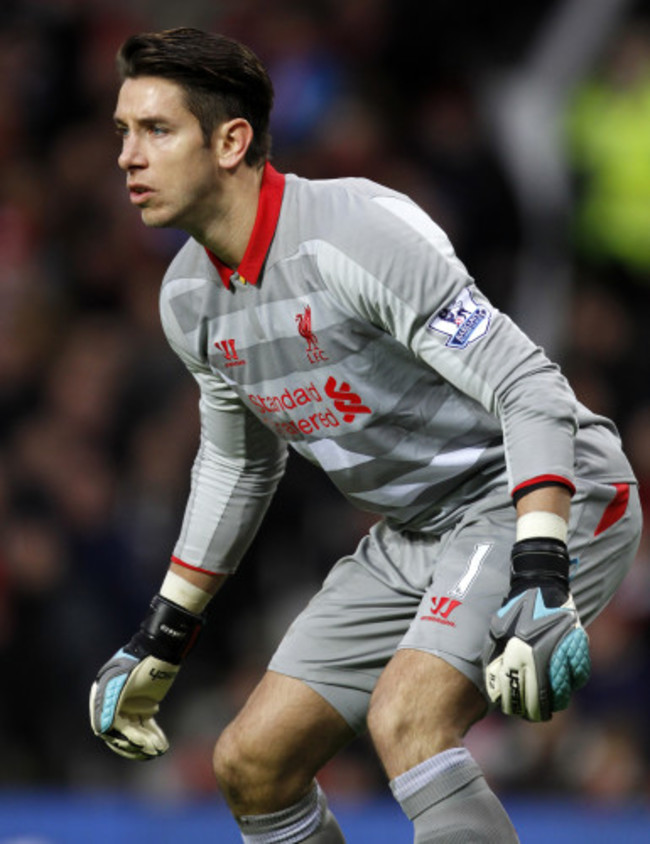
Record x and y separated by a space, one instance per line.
153 220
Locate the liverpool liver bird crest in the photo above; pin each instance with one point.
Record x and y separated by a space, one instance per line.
305 329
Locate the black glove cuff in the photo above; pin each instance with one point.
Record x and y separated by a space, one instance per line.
540 562
540 557
167 632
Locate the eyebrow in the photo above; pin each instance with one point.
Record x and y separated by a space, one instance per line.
143 121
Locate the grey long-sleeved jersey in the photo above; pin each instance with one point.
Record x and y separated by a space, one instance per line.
352 332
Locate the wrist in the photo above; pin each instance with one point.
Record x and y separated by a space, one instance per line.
541 523
540 562
167 632
540 557
180 591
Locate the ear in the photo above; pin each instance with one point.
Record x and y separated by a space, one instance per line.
232 140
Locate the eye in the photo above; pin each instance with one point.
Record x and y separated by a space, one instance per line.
159 131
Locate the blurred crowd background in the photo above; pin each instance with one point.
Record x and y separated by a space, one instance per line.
522 128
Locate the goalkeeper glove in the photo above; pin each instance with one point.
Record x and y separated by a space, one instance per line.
537 652
127 692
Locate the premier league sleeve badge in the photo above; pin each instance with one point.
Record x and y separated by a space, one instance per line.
463 321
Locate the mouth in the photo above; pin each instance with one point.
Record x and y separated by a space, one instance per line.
139 194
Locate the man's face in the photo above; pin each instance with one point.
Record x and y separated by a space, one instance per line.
171 175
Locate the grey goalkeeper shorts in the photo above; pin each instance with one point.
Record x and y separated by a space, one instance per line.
438 593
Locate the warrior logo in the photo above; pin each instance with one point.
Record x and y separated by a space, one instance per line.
441 609
229 352
314 353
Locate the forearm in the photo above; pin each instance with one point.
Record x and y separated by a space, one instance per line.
544 512
228 499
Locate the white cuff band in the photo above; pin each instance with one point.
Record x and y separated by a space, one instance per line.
541 523
175 588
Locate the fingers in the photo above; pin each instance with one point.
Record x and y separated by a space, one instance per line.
136 738
118 744
512 681
521 686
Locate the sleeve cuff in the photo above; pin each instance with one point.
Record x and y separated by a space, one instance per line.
539 482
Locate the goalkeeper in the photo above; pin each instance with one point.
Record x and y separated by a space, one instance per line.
335 318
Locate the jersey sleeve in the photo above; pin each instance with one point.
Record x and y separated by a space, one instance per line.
235 473
405 278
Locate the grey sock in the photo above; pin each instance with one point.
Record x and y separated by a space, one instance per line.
309 821
449 802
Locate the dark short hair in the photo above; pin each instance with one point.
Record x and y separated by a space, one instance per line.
221 79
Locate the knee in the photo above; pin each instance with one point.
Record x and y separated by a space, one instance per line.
233 765
387 720
252 777
247 780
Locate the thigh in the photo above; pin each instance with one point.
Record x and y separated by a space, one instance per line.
283 718
402 590
421 706
349 631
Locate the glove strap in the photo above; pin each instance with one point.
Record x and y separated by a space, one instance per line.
541 562
168 632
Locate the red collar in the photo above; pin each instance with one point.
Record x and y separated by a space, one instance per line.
266 220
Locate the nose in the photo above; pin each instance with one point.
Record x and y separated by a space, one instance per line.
131 156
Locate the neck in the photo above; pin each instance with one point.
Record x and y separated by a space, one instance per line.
228 232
